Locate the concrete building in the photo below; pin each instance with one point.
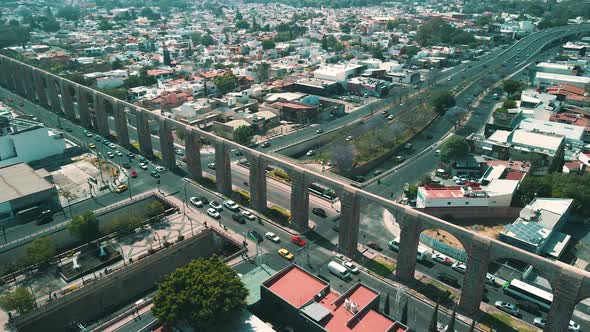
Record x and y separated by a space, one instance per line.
297 298
24 193
498 193
544 80
338 72
573 135
555 68
537 229
23 141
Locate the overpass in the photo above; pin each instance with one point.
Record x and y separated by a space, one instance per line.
91 109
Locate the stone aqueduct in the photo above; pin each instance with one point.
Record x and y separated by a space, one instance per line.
88 108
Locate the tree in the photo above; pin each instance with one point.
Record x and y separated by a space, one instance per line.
239 16
204 293
196 37
117 64
39 251
409 51
508 104
166 56
126 224
84 227
207 40
243 135
241 24
20 300
511 86
442 101
268 44
437 31
412 192
226 83
70 13
154 208
104 25
454 148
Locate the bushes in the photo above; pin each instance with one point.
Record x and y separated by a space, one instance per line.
154 209
126 224
242 197
279 173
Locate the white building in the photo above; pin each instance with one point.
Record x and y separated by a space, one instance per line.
555 68
548 79
337 72
23 141
499 192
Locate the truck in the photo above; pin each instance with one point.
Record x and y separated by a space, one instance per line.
339 270
422 253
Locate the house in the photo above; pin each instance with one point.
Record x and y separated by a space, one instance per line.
227 129
498 193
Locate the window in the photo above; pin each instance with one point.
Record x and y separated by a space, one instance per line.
466 203
448 203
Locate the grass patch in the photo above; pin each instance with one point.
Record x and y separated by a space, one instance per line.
158 155
504 322
279 174
437 292
381 266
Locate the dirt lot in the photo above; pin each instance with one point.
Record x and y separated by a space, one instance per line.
449 239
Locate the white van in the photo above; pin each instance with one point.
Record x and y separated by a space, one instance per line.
422 253
338 270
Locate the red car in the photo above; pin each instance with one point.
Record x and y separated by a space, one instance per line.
298 240
133 173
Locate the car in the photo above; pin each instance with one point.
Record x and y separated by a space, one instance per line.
213 213
490 279
133 173
88 134
377 172
112 145
394 245
143 166
248 215
273 237
390 117
211 165
310 153
349 138
286 254
255 235
319 131
121 188
351 267
118 153
437 152
126 165
265 144
508 308
238 218
449 79
438 257
142 160
298 240
448 279
459 267
160 169
130 155
179 152
216 206
204 199
46 216
408 146
155 174
9 100
231 205
97 138
374 246
399 159
541 322
110 154
23 104
319 212
196 202
92 146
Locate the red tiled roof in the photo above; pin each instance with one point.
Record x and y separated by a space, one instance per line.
297 287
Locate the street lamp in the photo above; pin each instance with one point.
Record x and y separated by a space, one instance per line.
158 236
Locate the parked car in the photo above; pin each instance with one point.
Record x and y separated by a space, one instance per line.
160 169
351 267
374 246
112 145
490 279
394 244
211 165
319 212
196 202
155 174
231 205
265 144
400 158
255 235
349 138
286 254
508 308
248 215
118 153
216 206
438 257
448 279
541 322
238 218
126 165
336 228
273 237
437 152
459 267
298 240
213 213
130 155
110 154
529 307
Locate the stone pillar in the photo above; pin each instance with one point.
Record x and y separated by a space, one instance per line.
143 134
40 87
193 153
4 71
349 222
11 76
121 124
475 276
102 121
565 295
222 168
68 101
83 109
19 79
53 94
408 243
30 84
167 144
299 201
257 182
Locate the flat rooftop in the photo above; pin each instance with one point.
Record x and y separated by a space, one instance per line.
20 180
296 286
451 192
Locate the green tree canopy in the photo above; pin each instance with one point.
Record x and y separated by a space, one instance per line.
196 37
84 227
443 101
243 135
20 300
556 185
155 208
437 31
509 103
40 250
126 223
207 40
241 24
226 83
104 25
455 147
203 293
268 44
410 51
511 86
70 13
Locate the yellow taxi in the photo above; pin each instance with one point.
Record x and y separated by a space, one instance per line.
92 146
286 254
121 188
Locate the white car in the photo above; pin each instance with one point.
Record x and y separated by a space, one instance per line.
110 154
508 308
438 257
351 267
118 153
196 202
143 165
248 215
459 267
215 206
160 169
179 152
112 145
310 153
349 138
231 205
437 152
541 322
490 278
211 165
273 237
213 213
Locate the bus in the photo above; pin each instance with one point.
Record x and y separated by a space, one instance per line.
322 191
528 292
